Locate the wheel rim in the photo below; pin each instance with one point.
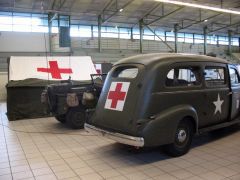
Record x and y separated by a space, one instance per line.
182 135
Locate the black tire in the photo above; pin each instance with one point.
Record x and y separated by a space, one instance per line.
61 118
76 117
182 141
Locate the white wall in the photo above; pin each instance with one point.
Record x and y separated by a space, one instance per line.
23 42
3 82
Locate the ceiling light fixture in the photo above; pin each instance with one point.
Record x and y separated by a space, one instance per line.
200 6
120 10
206 20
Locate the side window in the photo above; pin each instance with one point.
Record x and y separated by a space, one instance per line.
183 77
214 76
234 76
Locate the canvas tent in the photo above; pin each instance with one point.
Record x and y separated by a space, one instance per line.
28 76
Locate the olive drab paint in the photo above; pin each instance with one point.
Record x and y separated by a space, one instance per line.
166 98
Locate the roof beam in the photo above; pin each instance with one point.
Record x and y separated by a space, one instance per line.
231 25
53 4
106 6
166 15
156 5
201 21
124 6
61 4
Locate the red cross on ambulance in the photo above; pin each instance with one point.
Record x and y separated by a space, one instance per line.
117 95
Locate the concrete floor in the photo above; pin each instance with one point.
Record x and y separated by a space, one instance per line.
45 149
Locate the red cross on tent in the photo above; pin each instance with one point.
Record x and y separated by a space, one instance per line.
54 70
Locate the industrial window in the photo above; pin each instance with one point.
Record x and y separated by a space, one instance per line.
214 76
223 40
36 22
234 76
136 33
183 77
160 34
170 36
80 31
95 31
109 32
181 37
212 39
125 33
148 35
198 38
235 41
188 38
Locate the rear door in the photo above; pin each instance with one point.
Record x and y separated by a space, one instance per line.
217 94
235 91
116 106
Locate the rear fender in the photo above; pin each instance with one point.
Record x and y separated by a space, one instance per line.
161 129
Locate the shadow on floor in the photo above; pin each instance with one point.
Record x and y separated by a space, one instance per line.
151 155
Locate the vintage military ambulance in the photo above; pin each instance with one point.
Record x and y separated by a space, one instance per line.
165 99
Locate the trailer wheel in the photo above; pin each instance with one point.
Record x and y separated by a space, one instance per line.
76 117
183 139
61 118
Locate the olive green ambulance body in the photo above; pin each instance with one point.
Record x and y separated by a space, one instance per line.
164 99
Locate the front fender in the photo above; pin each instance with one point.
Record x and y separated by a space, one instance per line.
161 129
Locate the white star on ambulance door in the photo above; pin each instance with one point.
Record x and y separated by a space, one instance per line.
218 105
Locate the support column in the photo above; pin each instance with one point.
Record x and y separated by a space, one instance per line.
131 34
205 40
99 33
239 44
70 43
92 31
50 32
176 37
141 35
229 42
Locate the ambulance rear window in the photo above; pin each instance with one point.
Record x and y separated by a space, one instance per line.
126 72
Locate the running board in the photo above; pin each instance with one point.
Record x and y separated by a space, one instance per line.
218 126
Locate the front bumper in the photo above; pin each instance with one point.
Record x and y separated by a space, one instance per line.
121 138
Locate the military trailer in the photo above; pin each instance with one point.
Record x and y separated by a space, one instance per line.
73 102
165 99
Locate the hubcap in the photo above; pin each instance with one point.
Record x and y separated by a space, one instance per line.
182 135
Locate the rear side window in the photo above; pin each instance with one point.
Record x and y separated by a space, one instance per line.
126 72
234 76
214 76
183 77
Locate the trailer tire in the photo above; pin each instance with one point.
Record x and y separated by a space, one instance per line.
76 117
61 118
